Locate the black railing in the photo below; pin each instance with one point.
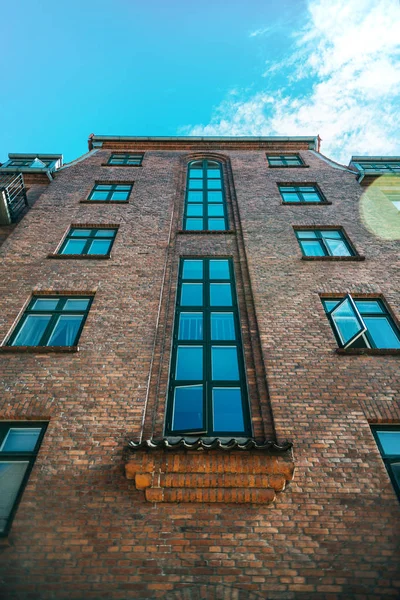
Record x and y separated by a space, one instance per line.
12 188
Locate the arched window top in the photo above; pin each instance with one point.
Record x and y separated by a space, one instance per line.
205 206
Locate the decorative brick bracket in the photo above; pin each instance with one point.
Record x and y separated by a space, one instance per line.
210 472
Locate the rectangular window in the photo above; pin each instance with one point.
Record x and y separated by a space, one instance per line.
382 167
361 323
300 194
19 444
52 321
88 241
318 242
107 192
285 160
205 206
387 438
208 392
125 160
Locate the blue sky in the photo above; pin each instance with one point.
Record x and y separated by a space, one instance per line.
293 67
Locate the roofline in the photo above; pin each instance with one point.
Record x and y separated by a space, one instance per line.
184 139
373 158
22 155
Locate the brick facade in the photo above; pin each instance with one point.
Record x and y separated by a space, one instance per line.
88 528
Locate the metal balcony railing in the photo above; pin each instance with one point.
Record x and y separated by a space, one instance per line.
13 198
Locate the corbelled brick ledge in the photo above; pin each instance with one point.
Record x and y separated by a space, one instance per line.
210 472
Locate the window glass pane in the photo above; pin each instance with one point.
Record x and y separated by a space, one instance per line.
196 173
330 304
214 184
219 269
309 197
20 439
368 306
101 186
188 408
32 330
331 234
395 470
215 210
337 247
195 184
189 363
194 224
105 233
213 173
308 189
120 196
290 197
99 247
45 304
80 232
11 477
306 235
312 248
195 210
214 197
346 321
74 247
195 196
190 326
99 196
192 269
220 294
192 294
390 441
222 326
382 332
78 304
65 330
227 409
198 164
216 225
224 363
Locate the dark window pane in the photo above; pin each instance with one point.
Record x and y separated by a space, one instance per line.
227 409
215 210
188 408
219 269
74 247
390 441
395 469
192 269
11 477
20 439
32 330
189 363
99 247
214 197
194 224
382 332
192 294
224 363
65 330
220 294
312 248
195 210
190 326
216 225
76 304
222 326
195 196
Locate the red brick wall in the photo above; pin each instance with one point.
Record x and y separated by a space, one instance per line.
82 530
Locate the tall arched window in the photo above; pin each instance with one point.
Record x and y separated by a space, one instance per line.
205 206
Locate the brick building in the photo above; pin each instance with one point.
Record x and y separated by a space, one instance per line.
200 372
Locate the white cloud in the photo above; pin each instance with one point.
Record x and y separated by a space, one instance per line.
349 56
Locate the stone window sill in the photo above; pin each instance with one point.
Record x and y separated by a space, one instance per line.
369 351
334 258
80 256
206 231
39 349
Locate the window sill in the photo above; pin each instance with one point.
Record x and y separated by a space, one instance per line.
38 349
118 166
369 351
207 231
306 203
80 256
335 258
104 201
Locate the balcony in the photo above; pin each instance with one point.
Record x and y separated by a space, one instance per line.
13 200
